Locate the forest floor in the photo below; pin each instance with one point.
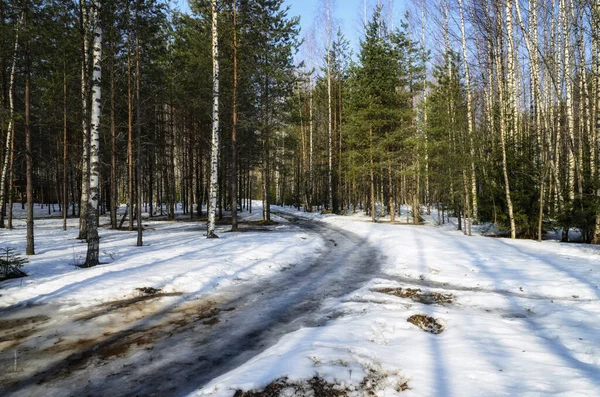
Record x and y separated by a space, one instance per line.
313 305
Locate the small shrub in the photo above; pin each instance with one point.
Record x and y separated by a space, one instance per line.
11 264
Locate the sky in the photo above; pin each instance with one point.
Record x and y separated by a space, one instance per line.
349 14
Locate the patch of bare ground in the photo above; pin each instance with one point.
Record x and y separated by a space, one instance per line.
138 302
148 290
416 295
14 330
123 326
319 387
426 323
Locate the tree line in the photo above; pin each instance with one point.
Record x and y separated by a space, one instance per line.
486 110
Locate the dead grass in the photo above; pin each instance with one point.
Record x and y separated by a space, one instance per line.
416 295
319 387
426 323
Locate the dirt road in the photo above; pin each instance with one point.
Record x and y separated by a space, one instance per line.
170 344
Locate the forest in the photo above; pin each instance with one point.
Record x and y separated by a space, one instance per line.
485 110
268 198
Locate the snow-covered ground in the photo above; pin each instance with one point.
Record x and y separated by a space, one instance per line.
519 317
176 257
523 320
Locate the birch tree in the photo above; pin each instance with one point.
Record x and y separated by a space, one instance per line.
10 130
214 162
470 115
85 157
93 239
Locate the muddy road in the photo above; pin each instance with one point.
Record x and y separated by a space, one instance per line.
171 344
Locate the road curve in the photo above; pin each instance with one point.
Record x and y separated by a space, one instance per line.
177 356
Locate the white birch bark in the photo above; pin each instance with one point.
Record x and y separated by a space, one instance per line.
564 22
511 70
469 114
214 166
11 108
94 149
504 123
596 39
84 123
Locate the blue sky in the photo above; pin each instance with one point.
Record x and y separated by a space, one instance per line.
349 14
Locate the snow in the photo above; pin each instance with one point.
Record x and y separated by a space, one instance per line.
523 320
176 257
523 316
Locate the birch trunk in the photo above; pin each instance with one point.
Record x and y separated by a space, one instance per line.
569 99
85 161
470 116
504 123
93 239
511 70
10 129
596 39
214 167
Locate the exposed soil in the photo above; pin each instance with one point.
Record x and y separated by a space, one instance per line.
318 387
416 295
148 290
426 323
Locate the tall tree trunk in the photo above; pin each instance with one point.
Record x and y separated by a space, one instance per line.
234 182
10 129
214 166
65 208
564 21
114 195
310 143
93 239
504 122
470 116
372 174
139 156
596 38
130 160
85 161
329 120
424 120
30 249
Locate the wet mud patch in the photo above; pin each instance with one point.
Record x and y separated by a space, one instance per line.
13 331
316 386
149 290
416 295
426 323
109 307
13 323
116 341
